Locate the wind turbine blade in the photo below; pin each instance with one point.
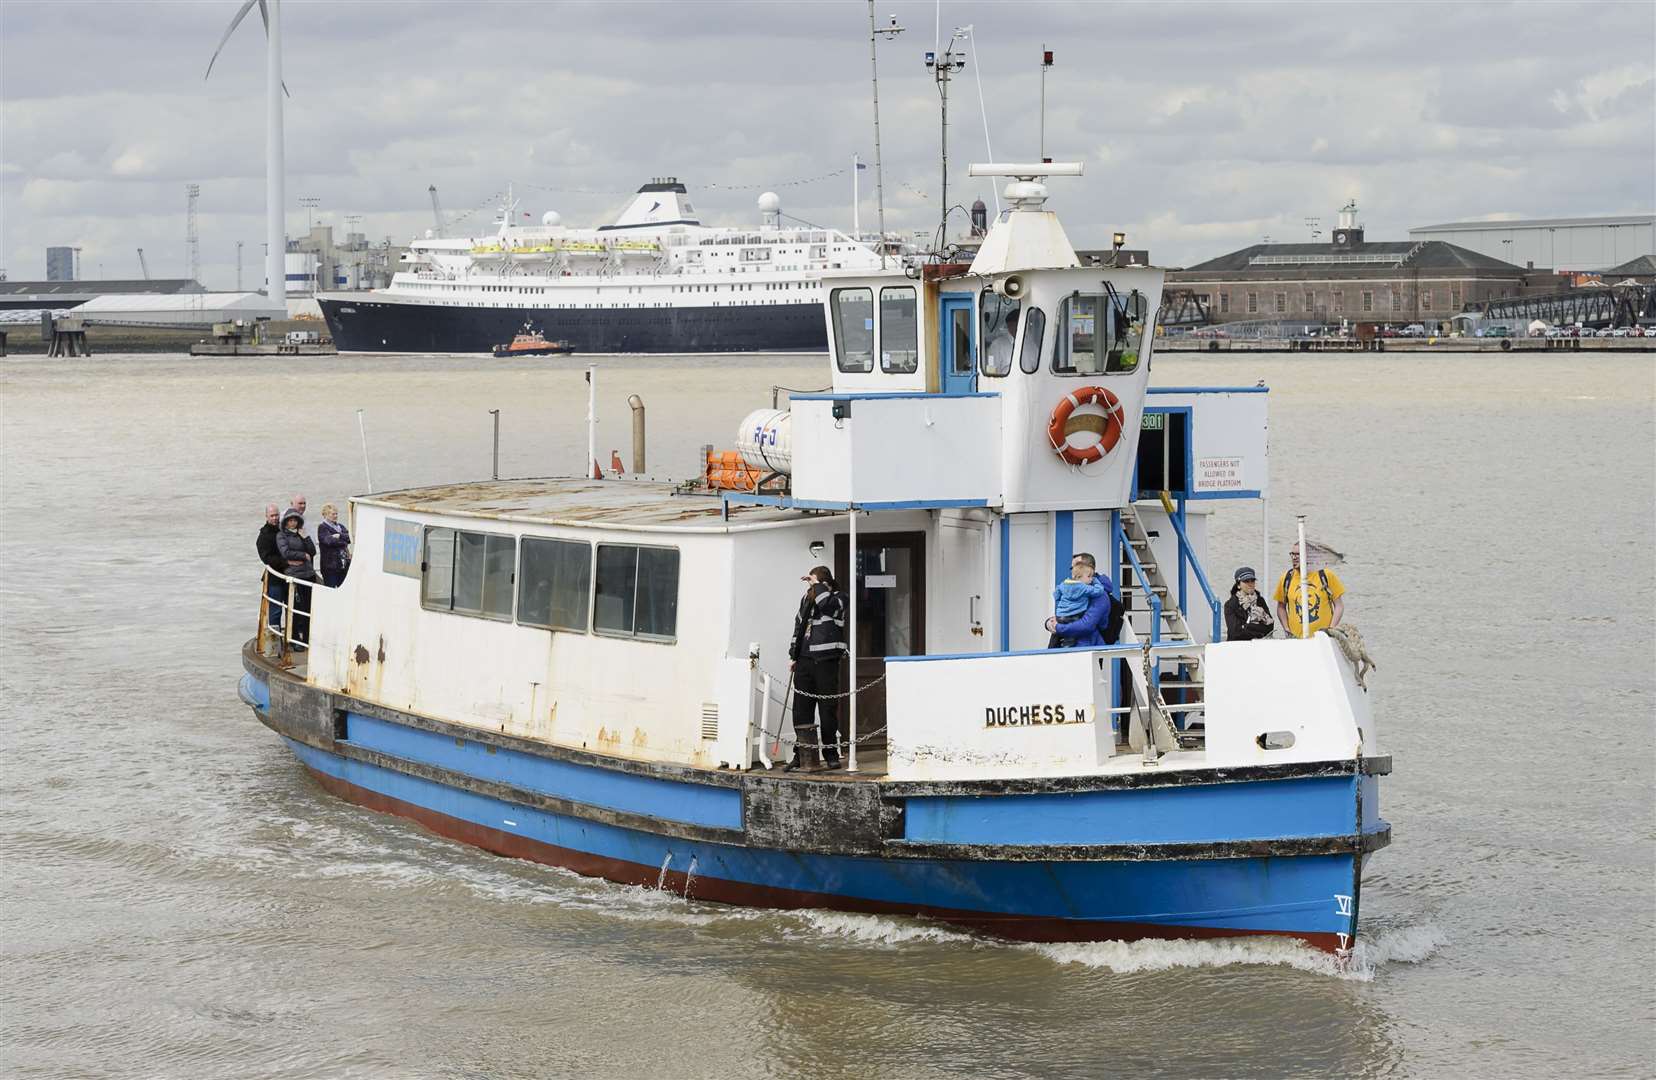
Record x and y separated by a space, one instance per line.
264 13
240 15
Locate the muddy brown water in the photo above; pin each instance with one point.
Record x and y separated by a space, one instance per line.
180 900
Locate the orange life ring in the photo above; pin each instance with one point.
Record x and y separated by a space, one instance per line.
1062 426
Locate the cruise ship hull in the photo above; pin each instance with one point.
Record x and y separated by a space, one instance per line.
1227 854
366 325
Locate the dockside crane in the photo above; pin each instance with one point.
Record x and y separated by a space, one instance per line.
142 265
436 212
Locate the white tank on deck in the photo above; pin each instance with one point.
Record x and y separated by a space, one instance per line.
765 440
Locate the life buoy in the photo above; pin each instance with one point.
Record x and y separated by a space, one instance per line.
1063 426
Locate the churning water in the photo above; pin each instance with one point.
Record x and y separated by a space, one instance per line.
180 900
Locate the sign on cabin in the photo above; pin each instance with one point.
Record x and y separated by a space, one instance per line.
402 548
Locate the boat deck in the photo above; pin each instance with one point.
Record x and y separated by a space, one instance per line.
611 503
871 760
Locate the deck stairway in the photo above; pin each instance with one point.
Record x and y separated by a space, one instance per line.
1147 594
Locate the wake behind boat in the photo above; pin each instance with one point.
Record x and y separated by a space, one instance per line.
653 280
590 672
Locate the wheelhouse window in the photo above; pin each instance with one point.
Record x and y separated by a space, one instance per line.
1034 326
468 573
636 593
1000 331
899 331
1099 333
555 584
853 311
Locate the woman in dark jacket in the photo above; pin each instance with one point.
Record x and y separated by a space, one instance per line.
1246 616
335 541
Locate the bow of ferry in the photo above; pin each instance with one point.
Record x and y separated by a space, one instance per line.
591 673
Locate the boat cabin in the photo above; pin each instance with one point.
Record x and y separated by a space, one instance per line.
985 423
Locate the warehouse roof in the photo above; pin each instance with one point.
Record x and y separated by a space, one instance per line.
1376 255
55 290
1538 223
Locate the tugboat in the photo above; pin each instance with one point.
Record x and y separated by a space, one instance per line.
590 672
531 342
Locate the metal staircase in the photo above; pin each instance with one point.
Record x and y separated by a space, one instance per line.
1154 617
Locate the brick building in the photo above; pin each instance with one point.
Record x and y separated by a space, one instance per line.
1355 279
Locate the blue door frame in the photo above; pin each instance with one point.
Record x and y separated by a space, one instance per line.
959 373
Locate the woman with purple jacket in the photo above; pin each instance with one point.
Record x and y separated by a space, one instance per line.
335 541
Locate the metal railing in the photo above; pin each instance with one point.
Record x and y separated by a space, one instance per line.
1144 584
1189 553
287 619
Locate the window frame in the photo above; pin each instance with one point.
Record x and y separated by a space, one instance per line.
880 326
835 313
1025 355
481 612
587 592
1115 350
634 635
981 311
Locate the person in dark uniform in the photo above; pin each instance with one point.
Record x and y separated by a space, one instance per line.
815 653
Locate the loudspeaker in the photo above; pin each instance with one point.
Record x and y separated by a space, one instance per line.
1011 286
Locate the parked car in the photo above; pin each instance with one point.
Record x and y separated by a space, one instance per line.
1495 331
1414 330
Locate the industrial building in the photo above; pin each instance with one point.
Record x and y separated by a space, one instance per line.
61 295
1574 245
315 262
1351 278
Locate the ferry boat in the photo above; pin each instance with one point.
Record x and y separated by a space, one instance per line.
531 342
653 280
591 673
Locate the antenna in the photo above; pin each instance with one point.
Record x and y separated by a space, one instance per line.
983 110
943 68
238 265
1046 62
310 203
192 240
874 34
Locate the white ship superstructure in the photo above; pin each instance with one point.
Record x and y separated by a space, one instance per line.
654 280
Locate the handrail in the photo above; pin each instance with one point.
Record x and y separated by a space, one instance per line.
1144 583
1201 578
288 608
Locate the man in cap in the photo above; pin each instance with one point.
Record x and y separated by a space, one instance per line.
815 653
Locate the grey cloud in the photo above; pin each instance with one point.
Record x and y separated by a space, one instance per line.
1203 125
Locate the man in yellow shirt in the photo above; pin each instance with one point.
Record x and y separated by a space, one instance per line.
1323 593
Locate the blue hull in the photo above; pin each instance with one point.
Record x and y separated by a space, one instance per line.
1057 865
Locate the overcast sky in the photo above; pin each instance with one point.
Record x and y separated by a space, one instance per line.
1203 127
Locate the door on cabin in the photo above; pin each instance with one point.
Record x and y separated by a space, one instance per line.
958 355
891 614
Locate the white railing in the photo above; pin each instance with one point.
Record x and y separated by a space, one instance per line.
285 617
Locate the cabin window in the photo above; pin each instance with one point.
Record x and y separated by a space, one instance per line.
899 331
555 584
853 311
468 573
1099 333
1000 330
1034 326
637 592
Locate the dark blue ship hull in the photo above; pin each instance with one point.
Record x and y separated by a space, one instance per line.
376 326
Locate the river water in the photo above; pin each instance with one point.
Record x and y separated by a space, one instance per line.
180 900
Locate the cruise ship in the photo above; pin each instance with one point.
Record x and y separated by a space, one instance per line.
654 280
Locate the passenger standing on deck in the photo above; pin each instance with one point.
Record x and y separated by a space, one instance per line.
1324 594
1100 623
1246 616
815 653
335 541
275 587
296 548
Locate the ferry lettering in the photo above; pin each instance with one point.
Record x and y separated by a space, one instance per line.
1060 710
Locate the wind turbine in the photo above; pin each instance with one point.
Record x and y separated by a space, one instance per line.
275 205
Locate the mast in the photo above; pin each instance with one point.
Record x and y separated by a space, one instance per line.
275 170
874 33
